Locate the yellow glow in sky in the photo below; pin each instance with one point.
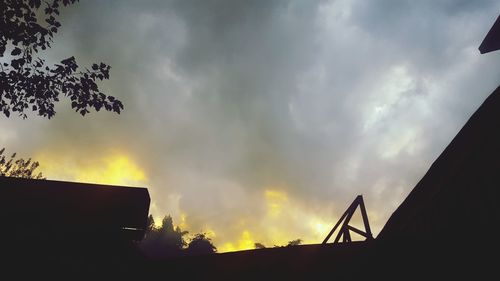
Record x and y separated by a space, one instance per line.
114 169
320 228
117 169
183 223
283 218
245 242
275 201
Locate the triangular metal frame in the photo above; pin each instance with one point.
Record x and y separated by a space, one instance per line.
344 231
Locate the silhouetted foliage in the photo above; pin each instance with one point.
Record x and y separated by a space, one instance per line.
259 246
168 241
151 224
26 82
172 237
295 242
18 168
201 244
165 241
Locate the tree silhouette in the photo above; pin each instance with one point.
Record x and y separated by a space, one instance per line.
150 225
168 241
172 237
18 168
295 242
26 82
165 241
201 244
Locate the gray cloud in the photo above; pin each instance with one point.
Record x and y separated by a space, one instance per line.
321 100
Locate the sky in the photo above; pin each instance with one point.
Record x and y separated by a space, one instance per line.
260 121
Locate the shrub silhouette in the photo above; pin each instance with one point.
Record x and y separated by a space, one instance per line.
295 242
201 244
18 168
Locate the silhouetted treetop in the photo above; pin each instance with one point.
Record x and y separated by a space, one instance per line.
201 244
295 242
150 224
26 82
164 241
18 168
172 237
168 241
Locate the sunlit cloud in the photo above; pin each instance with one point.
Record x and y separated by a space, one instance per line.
244 242
285 219
114 169
275 202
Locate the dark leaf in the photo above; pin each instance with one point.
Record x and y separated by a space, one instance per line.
68 61
16 51
17 63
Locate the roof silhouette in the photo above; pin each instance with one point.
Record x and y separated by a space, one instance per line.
73 208
459 193
492 40
457 197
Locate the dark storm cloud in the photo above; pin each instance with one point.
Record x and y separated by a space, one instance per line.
322 100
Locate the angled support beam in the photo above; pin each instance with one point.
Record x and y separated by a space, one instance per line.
338 223
355 230
344 231
364 215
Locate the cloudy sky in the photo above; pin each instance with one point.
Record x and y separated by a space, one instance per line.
260 121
